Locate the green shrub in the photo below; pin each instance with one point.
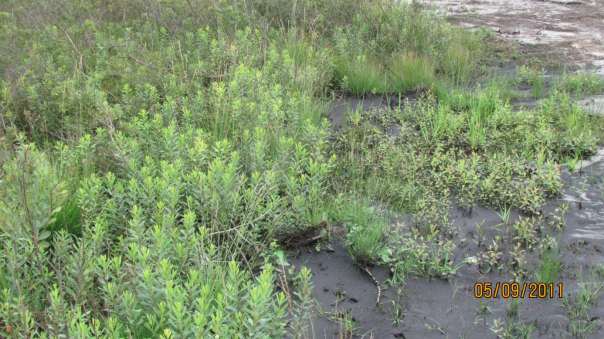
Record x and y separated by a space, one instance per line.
158 275
33 195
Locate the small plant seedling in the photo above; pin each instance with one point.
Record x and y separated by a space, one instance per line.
549 267
483 312
504 215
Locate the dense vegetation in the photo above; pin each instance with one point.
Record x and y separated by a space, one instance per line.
156 156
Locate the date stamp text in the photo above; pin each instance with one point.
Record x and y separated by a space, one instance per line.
518 290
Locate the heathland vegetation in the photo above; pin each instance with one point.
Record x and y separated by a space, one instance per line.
158 157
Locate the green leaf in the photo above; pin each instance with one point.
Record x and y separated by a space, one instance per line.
44 235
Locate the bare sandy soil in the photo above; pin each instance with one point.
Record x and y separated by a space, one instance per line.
572 28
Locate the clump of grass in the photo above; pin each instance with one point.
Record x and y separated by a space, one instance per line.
580 83
533 77
512 326
576 136
459 63
361 75
424 52
366 229
405 72
578 308
549 267
410 72
439 123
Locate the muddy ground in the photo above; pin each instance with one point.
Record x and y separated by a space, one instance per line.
433 308
573 29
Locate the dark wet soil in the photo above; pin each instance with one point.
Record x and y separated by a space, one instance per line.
343 288
583 237
434 308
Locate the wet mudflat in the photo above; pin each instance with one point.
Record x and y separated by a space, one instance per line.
439 308
436 308
573 29
584 235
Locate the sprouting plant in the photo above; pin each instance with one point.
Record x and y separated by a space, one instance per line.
509 330
483 312
550 266
525 231
582 83
302 326
491 258
419 255
504 215
578 308
346 325
533 77
512 326
557 220
518 261
573 163
343 317
480 235
397 306
365 231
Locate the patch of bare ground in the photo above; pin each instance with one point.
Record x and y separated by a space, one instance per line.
572 29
